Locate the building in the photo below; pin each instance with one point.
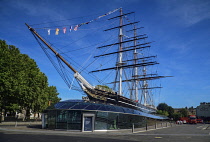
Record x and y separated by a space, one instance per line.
85 116
203 111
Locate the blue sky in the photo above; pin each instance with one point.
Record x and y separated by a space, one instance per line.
179 28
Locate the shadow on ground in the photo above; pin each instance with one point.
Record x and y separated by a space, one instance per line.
11 137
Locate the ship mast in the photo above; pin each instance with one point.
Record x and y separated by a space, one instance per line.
136 68
120 65
120 53
137 62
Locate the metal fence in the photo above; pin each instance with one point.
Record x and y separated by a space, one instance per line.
158 125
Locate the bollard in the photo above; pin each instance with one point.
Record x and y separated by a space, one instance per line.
15 123
155 125
133 128
146 126
166 124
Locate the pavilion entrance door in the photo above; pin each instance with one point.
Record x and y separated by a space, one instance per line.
88 122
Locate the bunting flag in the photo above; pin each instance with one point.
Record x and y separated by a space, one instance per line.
75 28
48 31
70 29
78 25
64 30
56 31
126 17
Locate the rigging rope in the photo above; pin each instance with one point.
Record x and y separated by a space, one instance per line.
60 71
78 25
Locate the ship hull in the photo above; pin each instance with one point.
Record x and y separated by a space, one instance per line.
112 98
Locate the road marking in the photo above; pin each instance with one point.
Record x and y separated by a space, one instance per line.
158 137
199 127
205 127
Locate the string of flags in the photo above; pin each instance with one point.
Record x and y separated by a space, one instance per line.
75 27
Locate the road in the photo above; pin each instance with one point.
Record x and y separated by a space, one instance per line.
180 133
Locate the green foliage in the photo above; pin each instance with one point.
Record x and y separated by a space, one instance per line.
170 111
165 109
22 85
162 112
104 87
176 116
162 106
183 112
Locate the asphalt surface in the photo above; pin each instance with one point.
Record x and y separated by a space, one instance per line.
179 133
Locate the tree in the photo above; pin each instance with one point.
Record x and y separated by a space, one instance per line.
162 112
183 112
52 91
170 111
166 110
191 110
9 75
176 116
163 107
23 85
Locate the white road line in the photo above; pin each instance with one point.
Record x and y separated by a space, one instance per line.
199 127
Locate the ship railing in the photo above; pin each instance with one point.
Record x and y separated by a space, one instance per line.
104 89
145 108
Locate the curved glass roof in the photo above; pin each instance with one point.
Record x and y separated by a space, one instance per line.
80 104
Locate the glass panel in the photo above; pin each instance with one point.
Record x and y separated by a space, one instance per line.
66 105
101 121
112 120
79 106
61 122
119 109
102 107
88 124
58 105
51 119
93 106
109 108
125 121
69 105
74 120
138 121
150 122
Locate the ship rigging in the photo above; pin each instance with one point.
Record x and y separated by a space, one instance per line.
129 69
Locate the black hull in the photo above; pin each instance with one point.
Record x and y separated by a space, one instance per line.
112 98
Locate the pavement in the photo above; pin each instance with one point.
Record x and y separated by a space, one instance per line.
36 127
32 132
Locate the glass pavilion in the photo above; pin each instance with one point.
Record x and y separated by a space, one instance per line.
85 116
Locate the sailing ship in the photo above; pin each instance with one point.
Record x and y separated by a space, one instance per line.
140 97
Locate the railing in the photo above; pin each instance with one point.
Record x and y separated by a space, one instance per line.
18 123
148 127
104 89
